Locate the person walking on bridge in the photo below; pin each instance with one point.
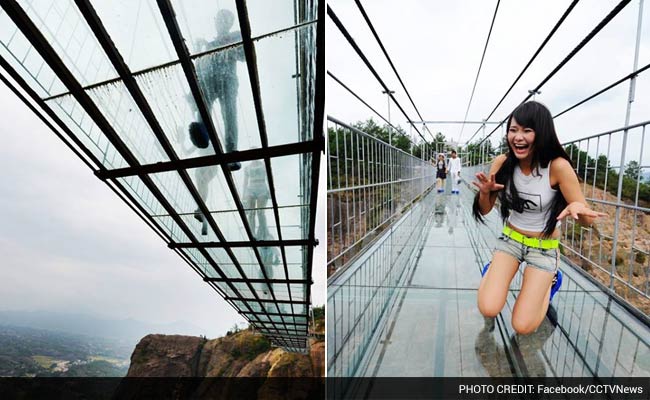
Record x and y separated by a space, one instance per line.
454 172
537 188
441 173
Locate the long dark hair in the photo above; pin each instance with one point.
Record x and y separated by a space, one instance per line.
546 148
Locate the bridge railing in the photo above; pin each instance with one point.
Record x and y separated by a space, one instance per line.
369 183
360 298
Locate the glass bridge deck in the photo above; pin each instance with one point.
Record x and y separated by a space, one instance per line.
433 327
126 84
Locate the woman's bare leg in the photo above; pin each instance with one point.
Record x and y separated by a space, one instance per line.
532 302
494 286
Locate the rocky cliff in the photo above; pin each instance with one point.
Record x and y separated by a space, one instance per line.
242 354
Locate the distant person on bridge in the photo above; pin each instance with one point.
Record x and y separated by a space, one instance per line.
454 172
537 187
441 173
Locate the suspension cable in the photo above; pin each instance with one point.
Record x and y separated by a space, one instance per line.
548 37
573 52
618 82
487 41
383 49
354 45
360 99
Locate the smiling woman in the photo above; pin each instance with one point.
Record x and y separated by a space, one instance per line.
537 187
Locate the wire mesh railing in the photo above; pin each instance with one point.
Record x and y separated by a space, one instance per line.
359 299
369 184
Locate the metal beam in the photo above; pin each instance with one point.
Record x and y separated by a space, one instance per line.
239 280
256 243
246 299
273 314
319 115
205 161
456 122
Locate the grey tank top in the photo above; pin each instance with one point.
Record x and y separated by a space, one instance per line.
536 194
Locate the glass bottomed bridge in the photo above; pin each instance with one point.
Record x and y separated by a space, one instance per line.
126 84
406 265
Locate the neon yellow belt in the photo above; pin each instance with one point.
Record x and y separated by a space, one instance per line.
544 244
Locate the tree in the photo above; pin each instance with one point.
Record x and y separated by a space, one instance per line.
632 170
399 138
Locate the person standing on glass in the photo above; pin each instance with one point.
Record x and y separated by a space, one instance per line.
255 196
454 172
441 173
217 75
270 256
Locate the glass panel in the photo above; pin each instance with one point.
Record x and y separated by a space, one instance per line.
253 189
290 218
172 229
119 108
277 70
138 31
168 94
84 128
19 53
292 232
288 171
224 262
213 189
270 16
66 31
206 180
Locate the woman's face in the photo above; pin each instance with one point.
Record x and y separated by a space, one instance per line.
521 140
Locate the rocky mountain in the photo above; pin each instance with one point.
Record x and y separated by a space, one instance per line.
242 354
240 365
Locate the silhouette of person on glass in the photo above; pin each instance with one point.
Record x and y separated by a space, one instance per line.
270 256
255 196
217 75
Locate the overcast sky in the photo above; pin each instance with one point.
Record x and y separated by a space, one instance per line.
436 47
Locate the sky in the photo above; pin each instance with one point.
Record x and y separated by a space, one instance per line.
436 47
69 244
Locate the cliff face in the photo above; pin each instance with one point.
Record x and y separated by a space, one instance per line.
242 354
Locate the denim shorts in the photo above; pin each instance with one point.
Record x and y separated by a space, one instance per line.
546 260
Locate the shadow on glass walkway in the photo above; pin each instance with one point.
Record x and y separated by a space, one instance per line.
426 322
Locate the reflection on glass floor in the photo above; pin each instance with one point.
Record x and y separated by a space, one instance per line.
435 329
206 120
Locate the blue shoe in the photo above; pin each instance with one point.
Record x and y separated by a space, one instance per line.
485 268
557 282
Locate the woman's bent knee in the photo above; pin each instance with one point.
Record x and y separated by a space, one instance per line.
524 326
489 308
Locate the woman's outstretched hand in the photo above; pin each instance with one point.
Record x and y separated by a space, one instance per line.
486 185
578 208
